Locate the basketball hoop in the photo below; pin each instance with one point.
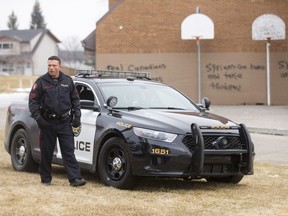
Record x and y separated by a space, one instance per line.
194 27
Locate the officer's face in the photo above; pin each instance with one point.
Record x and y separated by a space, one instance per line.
54 68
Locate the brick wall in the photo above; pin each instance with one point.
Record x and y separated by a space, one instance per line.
145 26
147 34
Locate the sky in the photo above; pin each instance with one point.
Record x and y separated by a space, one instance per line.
66 19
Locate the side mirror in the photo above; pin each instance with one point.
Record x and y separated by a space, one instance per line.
206 103
112 101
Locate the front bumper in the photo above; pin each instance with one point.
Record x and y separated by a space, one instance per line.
193 156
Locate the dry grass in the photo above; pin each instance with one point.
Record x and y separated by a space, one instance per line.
10 83
264 193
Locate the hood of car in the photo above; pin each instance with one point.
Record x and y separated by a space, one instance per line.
173 121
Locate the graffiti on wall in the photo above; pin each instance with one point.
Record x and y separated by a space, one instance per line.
228 76
283 68
132 67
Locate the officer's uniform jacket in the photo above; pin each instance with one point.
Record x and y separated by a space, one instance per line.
57 96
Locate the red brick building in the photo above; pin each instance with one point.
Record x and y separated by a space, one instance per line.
145 35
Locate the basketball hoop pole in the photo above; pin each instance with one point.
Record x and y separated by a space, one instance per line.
199 62
267 27
196 26
268 70
199 69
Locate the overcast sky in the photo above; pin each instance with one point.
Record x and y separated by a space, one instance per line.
64 18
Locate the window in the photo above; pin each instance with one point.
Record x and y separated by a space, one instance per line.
7 69
149 96
85 93
6 46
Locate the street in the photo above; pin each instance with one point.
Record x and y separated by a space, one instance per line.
271 149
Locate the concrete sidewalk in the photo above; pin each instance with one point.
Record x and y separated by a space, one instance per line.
258 119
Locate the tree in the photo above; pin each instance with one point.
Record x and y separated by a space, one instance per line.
12 22
71 52
72 43
37 19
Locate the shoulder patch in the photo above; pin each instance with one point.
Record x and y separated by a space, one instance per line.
35 86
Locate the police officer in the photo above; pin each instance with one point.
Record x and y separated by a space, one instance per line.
54 104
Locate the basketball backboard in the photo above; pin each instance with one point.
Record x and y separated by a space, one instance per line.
268 26
197 26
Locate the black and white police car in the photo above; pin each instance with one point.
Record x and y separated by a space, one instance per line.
133 127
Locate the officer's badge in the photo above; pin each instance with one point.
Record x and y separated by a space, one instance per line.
76 131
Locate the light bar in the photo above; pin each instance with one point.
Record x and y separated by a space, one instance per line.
103 73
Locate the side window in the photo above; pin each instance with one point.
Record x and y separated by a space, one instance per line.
85 93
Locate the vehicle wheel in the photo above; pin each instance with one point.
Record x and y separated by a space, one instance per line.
21 156
229 179
114 165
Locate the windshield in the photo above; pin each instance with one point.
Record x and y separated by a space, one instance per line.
146 96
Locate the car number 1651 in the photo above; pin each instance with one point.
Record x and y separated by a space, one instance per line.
159 151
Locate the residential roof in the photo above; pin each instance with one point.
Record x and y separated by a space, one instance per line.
89 42
26 35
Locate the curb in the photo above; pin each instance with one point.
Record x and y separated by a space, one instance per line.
276 132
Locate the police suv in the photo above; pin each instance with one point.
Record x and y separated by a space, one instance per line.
133 127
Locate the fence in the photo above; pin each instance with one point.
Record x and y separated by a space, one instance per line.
16 83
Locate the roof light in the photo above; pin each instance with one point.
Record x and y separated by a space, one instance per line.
102 73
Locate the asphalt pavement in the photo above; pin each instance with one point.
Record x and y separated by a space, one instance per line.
261 119
268 127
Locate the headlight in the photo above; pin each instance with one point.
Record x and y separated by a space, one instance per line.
155 135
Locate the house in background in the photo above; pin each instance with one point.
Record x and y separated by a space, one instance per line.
25 52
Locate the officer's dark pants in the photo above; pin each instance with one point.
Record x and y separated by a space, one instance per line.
62 130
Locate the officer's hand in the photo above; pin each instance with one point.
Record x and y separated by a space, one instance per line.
76 122
42 123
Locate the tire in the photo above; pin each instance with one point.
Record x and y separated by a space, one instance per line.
114 165
21 156
235 179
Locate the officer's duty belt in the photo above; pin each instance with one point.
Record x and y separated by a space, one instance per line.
54 116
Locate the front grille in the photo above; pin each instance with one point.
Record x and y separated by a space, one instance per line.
234 142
